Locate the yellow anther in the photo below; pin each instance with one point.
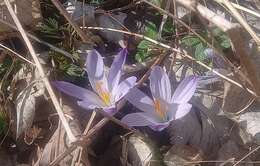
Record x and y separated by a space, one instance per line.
103 93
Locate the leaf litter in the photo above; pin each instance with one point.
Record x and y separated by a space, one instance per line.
220 127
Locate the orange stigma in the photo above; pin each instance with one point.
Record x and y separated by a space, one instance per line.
160 108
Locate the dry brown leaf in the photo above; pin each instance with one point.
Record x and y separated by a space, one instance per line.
31 134
26 88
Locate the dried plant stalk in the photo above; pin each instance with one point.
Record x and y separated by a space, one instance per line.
233 31
184 54
41 72
240 19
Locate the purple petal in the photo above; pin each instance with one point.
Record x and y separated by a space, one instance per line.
140 100
116 70
111 111
124 87
177 111
185 90
139 119
182 110
144 119
160 84
95 70
173 107
159 127
77 92
88 105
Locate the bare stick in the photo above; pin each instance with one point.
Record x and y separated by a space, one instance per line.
156 62
164 18
233 31
231 160
240 19
79 148
41 72
177 20
16 54
89 122
63 155
54 48
256 149
182 54
191 6
82 142
246 9
83 36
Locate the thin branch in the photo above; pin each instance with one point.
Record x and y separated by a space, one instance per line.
177 20
156 62
54 48
243 158
138 66
246 9
182 54
79 150
164 18
240 19
89 123
250 102
206 161
233 31
84 141
225 24
116 121
41 72
16 54
63 155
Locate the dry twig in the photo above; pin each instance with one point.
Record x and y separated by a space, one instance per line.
240 19
190 5
54 48
256 149
182 54
16 54
246 10
233 31
41 72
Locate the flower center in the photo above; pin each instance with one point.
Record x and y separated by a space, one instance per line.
160 108
103 93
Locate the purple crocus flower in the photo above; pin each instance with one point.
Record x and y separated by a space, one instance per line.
164 107
107 87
